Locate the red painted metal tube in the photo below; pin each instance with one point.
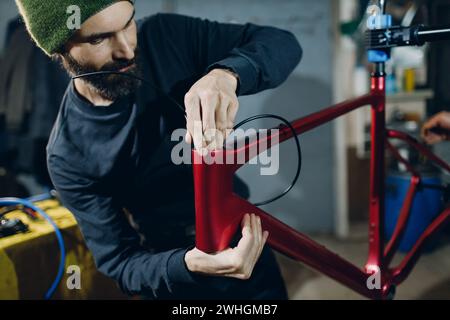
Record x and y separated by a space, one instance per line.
419 147
398 156
400 273
402 221
306 124
376 200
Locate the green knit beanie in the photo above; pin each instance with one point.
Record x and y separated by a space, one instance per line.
47 20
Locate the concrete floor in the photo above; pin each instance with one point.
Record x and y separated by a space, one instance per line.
430 278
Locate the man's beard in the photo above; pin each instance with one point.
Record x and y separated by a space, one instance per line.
110 87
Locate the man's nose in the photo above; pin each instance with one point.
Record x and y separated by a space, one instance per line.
122 48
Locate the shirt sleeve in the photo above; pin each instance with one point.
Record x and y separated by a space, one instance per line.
114 244
262 56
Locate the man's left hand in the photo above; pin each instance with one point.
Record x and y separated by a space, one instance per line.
211 108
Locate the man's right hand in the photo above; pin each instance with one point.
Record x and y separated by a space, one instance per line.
439 121
235 262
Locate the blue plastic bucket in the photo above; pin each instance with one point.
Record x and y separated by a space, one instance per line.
426 206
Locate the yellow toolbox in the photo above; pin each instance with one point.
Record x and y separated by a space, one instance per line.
29 261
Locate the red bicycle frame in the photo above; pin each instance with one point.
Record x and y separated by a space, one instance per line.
219 210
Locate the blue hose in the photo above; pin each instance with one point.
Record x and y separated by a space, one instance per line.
40 197
27 203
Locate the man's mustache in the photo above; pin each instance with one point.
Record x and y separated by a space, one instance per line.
116 66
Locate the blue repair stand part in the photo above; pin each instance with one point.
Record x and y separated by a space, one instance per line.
379 22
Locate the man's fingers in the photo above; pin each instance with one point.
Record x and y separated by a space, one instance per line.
232 113
188 138
253 254
426 130
265 236
247 227
432 122
222 119
258 230
216 139
250 246
214 122
209 105
254 227
433 138
261 239
245 244
194 121
440 120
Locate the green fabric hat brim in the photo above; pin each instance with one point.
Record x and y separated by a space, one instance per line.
47 20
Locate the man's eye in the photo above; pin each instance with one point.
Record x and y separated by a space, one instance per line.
96 41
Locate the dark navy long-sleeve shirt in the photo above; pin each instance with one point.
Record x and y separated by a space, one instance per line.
105 161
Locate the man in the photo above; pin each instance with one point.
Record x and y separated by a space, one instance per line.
440 121
109 151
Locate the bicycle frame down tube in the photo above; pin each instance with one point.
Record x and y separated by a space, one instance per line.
219 210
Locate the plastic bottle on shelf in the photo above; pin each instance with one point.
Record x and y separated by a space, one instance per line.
391 79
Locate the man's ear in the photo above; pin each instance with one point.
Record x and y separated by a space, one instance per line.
61 54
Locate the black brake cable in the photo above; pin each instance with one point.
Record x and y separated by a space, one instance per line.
262 116
299 152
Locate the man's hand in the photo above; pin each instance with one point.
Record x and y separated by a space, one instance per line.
439 121
211 108
237 262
